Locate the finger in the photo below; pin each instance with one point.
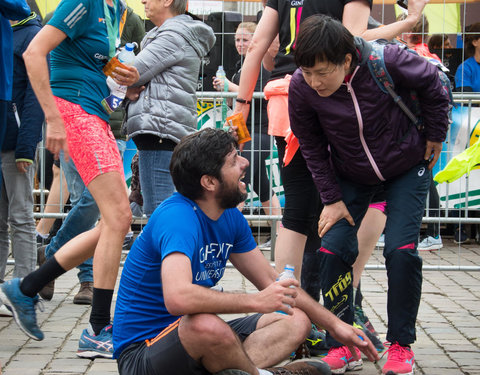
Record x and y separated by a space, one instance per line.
289 282
325 229
350 220
366 346
433 161
428 153
354 353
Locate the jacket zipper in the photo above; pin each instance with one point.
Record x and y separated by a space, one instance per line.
360 128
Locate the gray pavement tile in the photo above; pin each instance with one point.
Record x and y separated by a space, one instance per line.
448 326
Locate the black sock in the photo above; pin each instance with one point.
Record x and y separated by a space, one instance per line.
35 281
101 304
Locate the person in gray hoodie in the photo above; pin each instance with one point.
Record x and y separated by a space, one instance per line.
165 110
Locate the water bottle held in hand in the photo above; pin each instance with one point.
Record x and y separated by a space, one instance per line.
220 74
126 55
288 273
118 92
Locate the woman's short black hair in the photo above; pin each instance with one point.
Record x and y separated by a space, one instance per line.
323 39
198 154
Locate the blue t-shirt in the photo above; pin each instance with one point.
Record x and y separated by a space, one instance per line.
77 62
470 76
177 225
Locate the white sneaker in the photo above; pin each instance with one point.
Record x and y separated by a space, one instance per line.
430 243
266 246
381 241
4 311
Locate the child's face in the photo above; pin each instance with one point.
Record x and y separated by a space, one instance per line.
325 77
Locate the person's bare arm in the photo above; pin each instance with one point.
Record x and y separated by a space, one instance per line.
254 266
269 58
355 19
183 297
264 34
35 58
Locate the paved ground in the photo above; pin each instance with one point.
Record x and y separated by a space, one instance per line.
448 327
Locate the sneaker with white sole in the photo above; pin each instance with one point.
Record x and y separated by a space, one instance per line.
430 243
301 368
4 311
266 245
400 360
94 346
22 308
340 359
381 241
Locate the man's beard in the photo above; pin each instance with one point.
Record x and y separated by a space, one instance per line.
229 197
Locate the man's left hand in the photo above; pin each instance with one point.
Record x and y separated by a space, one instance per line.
351 336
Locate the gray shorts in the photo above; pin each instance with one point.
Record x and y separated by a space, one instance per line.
167 355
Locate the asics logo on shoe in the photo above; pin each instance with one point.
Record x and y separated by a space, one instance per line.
421 172
409 361
107 345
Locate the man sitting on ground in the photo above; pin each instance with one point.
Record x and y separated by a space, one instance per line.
165 315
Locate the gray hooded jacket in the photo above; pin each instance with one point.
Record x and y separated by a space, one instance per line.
169 64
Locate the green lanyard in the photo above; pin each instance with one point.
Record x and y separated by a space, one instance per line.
112 27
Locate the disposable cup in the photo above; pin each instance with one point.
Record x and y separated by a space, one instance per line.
242 131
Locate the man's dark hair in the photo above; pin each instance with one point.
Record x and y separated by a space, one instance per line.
198 154
323 39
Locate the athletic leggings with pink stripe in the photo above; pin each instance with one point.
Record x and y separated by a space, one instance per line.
405 197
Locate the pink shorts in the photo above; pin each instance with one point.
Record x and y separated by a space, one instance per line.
379 206
91 143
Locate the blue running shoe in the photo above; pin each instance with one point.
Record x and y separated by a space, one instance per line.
22 307
91 346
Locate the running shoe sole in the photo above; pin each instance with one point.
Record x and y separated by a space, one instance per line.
6 301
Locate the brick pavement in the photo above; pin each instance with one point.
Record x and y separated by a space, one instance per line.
448 327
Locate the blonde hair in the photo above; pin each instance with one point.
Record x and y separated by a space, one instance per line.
250 26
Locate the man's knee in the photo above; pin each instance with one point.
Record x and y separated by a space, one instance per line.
206 329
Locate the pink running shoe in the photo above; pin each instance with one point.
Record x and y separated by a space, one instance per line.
340 360
400 360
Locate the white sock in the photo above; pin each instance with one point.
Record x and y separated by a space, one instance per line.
263 372
354 294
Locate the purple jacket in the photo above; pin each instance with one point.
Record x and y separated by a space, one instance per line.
358 132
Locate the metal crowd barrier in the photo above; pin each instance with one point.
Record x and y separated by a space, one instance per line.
259 220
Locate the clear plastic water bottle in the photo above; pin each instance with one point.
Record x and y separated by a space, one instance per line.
221 75
288 273
126 55
118 92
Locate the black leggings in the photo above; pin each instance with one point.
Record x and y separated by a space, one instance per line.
302 200
261 151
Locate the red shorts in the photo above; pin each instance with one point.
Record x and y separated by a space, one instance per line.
91 143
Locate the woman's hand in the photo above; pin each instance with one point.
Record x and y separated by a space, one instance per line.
432 153
134 92
332 213
218 83
126 77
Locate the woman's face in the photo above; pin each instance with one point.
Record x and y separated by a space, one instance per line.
243 37
325 77
154 11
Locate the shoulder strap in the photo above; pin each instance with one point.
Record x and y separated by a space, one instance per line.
376 65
